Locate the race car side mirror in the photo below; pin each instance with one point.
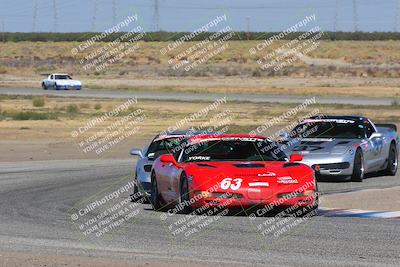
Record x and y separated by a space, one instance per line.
136 152
375 135
168 158
296 157
284 135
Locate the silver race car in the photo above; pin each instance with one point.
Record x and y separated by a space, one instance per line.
162 144
340 146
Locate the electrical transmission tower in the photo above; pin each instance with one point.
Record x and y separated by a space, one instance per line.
3 29
94 15
156 17
355 15
396 17
114 11
335 19
34 17
55 15
248 28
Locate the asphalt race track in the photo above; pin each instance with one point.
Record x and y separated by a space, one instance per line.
199 96
36 199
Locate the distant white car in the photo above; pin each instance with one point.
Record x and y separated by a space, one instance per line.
61 82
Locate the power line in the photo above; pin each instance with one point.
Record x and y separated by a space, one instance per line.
55 14
34 17
156 16
355 16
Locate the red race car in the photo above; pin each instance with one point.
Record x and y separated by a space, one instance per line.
231 171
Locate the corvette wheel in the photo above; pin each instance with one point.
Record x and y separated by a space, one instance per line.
313 209
155 195
184 197
309 211
136 196
358 167
391 168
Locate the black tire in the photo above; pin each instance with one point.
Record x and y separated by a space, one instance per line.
313 209
309 211
184 196
44 86
392 165
358 167
135 197
155 195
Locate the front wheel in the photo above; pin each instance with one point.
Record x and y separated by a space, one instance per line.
391 168
155 195
137 195
358 167
44 86
184 198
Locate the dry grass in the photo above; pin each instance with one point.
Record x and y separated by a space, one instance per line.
161 115
149 52
375 72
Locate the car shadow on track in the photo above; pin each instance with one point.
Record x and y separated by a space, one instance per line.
240 212
346 179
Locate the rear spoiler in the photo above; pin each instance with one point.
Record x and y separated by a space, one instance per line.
387 125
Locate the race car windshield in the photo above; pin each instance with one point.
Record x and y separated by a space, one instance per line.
63 77
343 129
163 146
233 150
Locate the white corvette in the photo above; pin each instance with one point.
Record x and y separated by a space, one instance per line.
61 81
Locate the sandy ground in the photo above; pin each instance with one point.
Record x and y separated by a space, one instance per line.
357 86
11 259
370 199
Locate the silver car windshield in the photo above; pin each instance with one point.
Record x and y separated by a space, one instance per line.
330 129
63 77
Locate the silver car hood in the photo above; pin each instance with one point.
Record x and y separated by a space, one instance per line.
321 146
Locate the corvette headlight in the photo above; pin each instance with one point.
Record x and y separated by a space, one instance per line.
342 150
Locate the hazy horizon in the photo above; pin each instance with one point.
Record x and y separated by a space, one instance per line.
180 15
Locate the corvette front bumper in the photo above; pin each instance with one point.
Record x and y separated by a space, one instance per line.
330 166
255 199
68 87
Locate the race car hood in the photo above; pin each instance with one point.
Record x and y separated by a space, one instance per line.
252 171
68 82
323 146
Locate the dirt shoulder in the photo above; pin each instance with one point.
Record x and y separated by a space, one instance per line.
321 86
370 199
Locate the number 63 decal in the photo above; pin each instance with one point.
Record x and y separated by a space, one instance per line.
233 184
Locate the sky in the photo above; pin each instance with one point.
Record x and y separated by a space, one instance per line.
188 15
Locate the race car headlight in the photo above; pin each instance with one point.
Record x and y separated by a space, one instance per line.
342 150
339 150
